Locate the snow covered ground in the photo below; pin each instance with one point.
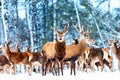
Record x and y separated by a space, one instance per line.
80 76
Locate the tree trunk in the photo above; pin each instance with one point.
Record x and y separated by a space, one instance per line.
30 26
92 13
75 4
54 20
3 21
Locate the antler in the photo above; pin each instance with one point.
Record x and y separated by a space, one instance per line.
66 28
57 29
88 30
78 28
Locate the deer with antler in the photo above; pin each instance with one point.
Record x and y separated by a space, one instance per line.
73 52
55 51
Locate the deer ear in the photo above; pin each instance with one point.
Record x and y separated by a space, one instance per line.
7 42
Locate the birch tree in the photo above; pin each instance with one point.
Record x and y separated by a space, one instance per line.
3 21
78 19
54 18
29 21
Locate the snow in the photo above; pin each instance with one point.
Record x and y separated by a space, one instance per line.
79 76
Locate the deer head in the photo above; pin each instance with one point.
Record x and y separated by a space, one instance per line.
27 48
17 45
112 41
81 31
6 46
61 34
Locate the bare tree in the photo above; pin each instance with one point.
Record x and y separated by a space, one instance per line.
54 18
29 18
92 13
3 21
75 4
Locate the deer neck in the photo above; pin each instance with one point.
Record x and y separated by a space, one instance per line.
113 48
60 48
7 53
82 45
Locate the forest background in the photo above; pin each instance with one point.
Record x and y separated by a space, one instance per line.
32 22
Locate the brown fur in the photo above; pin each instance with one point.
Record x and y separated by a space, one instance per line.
30 54
107 59
4 64
108 63
115 50
15 49
73 52
36 59
94 55
55 51
60 49
15 57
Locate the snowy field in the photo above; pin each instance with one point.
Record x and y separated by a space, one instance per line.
80 76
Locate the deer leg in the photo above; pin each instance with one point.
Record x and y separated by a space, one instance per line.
78 64
98 68
52 68
55 69
14 69
25 68
46 66
82 65
20 69
92 65
86 66
37 68
61 66
101 62
74 67
43 69
98 65
29 69
119 65
58 64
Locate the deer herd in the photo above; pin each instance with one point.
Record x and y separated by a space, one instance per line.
55 56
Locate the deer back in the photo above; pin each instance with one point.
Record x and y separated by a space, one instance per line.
49 50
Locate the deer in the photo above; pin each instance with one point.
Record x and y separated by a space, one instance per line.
15 57
73 52
36 59
115 50
107 58
55 51
98 57
74 41
4 61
